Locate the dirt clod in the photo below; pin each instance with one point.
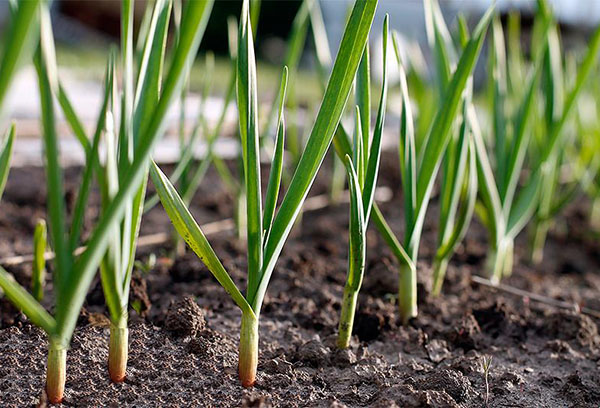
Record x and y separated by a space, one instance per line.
466 334
437 350
580 392
343 358
313 353
450 381
436 399
185 317
572 326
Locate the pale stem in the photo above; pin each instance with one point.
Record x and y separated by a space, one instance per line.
509 255
56 371
248 350
538 241
118 351
407 292
500 260
439 272
347 317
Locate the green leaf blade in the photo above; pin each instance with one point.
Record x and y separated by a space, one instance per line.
440 132
5 156
455 164
21 38
524 206
374 154
582 74
38 274
406 146
190 231
334 101
45 62
466 211
357 230
150 73
27 303
247 94
363 100
72 118
521 140
277 163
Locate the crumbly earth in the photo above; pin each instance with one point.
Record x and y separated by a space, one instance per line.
183 336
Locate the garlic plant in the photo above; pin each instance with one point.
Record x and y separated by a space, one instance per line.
362 170
268 229
73 274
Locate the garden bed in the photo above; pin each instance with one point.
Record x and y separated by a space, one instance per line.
183 343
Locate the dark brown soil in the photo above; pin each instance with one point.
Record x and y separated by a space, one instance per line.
183 349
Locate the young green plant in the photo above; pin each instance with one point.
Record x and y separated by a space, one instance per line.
268 230
137 103
458 184
419 168
511 120
505 208
569 168
419 171
72 275
117 265
362 179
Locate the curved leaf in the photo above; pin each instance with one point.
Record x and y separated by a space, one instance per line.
187 227
277 162
357 230
407 146
374 154
438 138
247 96
326 123
24 301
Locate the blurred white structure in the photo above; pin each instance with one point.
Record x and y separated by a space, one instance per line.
408 19
406 16
582 13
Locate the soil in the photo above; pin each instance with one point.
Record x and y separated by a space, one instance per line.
184 329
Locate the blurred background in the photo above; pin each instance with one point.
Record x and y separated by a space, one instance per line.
96 24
